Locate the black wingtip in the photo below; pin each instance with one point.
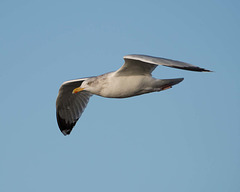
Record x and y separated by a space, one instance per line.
65 127
66 132
197 69
206 70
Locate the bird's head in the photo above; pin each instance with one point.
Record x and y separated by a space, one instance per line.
87 85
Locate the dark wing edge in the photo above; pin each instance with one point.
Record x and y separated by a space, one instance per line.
69 107
166 62
64 126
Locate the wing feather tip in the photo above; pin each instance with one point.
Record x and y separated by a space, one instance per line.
206 70
65 127
193 68
66 132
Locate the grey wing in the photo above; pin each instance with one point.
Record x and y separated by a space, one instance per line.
143 64
69 107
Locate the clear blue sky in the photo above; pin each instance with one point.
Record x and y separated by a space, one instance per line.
184 139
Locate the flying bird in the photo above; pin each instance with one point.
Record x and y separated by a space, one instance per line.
133 78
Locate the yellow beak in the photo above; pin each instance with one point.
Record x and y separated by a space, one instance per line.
77 90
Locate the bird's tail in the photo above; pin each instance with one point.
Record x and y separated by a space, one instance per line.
163 84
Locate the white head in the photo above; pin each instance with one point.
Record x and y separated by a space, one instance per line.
91 85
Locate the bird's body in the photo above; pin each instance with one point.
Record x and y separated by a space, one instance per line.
122 87
112 86
133 78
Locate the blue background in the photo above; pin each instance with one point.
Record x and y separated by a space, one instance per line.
183 139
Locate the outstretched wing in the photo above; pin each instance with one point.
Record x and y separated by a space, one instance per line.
69 107
143 64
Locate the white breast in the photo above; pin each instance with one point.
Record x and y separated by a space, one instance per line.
125 86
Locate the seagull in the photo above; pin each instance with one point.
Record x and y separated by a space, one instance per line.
133 78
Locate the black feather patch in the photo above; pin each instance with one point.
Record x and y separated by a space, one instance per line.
198 69
65 127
